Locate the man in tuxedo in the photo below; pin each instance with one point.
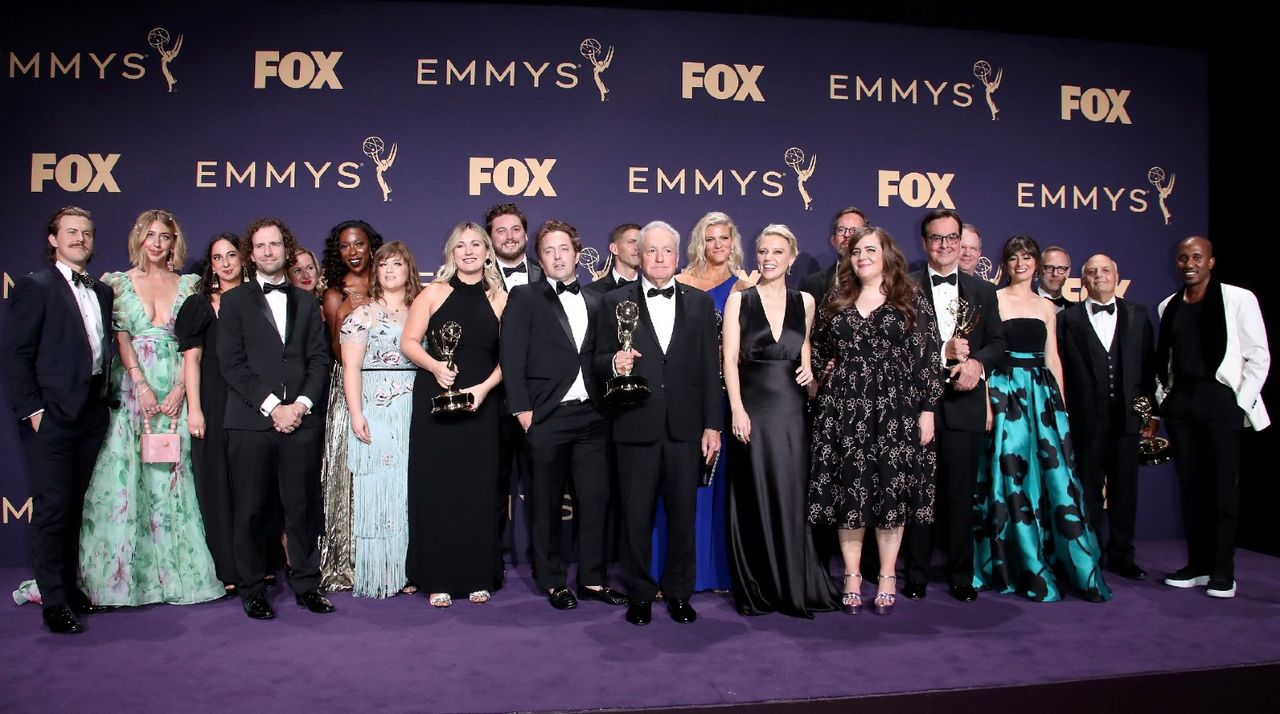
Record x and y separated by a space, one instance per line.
970 249
547 352
624 245
58 352
846 222
664 442
962 411
1107 348
274 355
1054 272
1211 361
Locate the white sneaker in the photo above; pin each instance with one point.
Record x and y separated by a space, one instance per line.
1186 578
1221 587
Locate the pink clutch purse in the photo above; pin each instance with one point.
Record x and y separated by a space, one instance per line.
160 448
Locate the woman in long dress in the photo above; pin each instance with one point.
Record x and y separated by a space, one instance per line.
143 538
874 459
453 457
378 380
772 559
1033 529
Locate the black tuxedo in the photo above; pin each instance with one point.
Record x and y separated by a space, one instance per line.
48 362
541 361
819 284
257 364
959 426
513 451
605 285
659 440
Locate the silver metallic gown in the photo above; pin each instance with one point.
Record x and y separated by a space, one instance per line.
337 550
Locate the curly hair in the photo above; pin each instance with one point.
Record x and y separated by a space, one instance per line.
335 268
246 243
899 290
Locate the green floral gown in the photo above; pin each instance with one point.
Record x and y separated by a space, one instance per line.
143 538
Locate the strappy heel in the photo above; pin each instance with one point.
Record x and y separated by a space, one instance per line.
851 602
884 601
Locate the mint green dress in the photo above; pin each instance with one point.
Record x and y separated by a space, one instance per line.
143 541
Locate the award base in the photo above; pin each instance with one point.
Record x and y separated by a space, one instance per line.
1153 451
452 402
626 389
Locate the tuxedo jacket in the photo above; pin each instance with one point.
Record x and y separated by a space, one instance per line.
1084 366
605 285
967 411
540 359
535 273
1233 329
819 284
256 363
684 380
48 358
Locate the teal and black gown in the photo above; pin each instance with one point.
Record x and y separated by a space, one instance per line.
1031 527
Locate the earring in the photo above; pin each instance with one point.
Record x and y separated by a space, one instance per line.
244 273
169 263
217 285
788 270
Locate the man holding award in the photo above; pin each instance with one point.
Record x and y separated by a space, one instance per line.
1107 348
657 345
972 340
548 344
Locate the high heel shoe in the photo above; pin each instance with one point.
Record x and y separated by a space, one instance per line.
884 601
851 602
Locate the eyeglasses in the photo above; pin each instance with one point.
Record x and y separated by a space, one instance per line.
936 240
1056 269
844 232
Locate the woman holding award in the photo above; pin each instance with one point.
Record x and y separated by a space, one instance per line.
451 334
1030 510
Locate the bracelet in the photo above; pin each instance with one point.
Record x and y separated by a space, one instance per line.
141 390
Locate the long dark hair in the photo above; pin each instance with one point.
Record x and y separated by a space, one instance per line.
899 290
204 266
335 268
1015 245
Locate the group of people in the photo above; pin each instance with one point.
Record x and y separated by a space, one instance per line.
190 435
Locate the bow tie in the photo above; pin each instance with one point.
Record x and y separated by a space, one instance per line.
573 287
268 287
82 279
1095 308
622 283
508 272
1060 301
666 292
940 279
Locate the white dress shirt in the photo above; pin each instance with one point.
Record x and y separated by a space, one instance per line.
514 279
575 308
278 302
1104 323
945 296
90 314
617 277
662 311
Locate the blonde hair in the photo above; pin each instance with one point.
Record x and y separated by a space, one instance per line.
780 230
177 253
698 241
492 281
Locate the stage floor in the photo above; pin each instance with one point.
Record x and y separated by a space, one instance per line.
516 653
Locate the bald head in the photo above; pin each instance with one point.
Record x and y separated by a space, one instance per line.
1100 276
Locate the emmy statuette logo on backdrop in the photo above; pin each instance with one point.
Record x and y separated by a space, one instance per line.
1156 177
982 70
373 148
590 49
795 159
158 38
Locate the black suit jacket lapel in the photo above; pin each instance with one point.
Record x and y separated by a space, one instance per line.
593 311
677 325
646 322
260 300
290 312
1081 330
549 294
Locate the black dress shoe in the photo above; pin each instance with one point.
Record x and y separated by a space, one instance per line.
315 602
913 591
561 598
681 611
605 594
640 612
1130 571
61 621
964 593
84 607
258 608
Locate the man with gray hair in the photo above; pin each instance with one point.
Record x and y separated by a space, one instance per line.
1055 268
665 441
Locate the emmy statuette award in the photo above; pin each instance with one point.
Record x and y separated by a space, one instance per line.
626 389
451 401
588 258
1153 450
967 319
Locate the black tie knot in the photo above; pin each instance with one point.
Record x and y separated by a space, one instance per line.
1109 309
267 288
1060 301
940 279
82 279
573 287
508 272
622 283
666 292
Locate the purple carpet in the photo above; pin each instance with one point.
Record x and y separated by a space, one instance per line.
516 653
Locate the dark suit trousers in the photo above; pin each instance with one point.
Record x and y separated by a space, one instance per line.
959 453
60 459
514 469
569 443
263 463
1111 462
672 469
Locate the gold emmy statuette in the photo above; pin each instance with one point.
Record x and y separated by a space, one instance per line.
967 319
626 389
588 259
450 401
1153 450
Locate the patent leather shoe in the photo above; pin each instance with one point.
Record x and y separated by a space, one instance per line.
257 607
640 612
315 602
561 598
681 611
964 593
61 620
1130 571
605 594
913 591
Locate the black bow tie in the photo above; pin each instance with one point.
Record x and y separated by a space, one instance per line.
573 287
1060 301
1095 308
268 287
508 272
666 292
623 283
940 279
82 279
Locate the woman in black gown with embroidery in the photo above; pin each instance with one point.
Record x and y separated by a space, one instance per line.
453 459
772 559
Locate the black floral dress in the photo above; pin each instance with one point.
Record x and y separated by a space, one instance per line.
868 468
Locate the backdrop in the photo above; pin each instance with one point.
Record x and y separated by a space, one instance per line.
415 116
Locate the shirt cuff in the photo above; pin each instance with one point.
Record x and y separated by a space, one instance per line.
304 402
271 402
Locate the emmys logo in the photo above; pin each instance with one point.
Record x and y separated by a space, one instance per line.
794 157
158 38
373 148
769 184
917 190
957 94
1104 105
313 70
16 513
75 172
1075 197
131 61
1156 177
590 50
738 82
511 177
225 174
